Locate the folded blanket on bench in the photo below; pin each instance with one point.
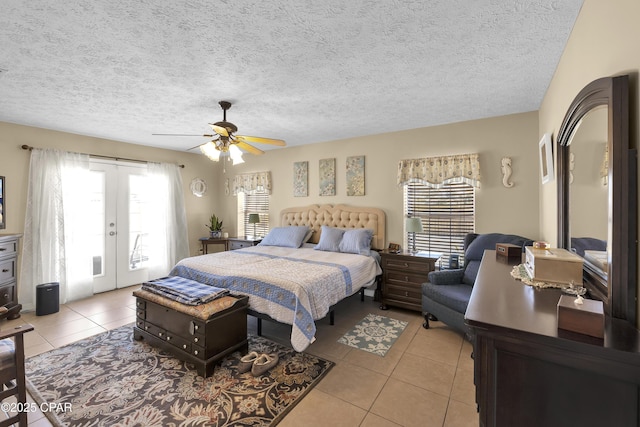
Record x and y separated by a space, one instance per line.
185 291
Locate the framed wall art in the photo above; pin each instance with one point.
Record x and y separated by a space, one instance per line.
546 158
355 176
300 179
327 177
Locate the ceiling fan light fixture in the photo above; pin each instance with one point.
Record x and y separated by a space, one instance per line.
211 151
236 155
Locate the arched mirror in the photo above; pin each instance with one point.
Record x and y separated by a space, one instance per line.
597 195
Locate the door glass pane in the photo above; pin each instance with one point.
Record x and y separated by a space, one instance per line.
138 249
97 221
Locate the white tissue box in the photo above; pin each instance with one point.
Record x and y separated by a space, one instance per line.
553 265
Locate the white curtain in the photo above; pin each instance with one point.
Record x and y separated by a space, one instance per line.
55 244
166 218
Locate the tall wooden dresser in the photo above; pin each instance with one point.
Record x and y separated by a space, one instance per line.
9 275
528 372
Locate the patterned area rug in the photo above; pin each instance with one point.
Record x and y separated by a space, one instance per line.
375 334
112 380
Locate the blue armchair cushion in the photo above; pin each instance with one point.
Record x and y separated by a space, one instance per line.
446 277
455 297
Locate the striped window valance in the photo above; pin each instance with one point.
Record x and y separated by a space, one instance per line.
437 171
252 183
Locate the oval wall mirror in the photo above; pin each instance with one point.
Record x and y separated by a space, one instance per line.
597 206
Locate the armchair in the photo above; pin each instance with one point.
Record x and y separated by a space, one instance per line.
446 295
12 374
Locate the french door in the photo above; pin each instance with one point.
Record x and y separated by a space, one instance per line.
119 250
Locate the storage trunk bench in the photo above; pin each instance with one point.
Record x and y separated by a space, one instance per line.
201 335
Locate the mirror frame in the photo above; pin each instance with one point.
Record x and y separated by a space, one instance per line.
619 292
3 191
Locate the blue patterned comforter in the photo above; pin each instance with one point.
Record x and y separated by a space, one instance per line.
293 286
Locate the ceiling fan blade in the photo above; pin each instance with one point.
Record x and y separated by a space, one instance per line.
192 148
181 134
249 148
259 140
219 130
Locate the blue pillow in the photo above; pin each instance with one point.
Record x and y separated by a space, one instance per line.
357 241
288 237
330 238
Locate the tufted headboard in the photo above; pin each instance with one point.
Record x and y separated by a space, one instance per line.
341 216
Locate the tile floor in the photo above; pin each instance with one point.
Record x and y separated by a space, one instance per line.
426 379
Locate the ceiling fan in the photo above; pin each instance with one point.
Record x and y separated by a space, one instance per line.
226 141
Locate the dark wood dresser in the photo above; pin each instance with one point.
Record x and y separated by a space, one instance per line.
402 277
9 275
529 373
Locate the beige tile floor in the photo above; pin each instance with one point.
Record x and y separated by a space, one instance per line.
426 379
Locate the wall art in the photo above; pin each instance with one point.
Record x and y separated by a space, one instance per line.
300 179
327 177
355 176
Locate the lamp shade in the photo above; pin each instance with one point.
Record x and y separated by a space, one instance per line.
209 149
254 218
413 225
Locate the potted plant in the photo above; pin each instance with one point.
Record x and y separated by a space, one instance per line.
215 226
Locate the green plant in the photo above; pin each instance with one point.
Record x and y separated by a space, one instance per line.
215 223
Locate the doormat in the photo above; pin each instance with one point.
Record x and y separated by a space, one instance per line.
112 380
375 334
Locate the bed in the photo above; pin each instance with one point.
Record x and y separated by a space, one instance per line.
299 285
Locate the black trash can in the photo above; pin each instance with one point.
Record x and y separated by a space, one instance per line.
47 298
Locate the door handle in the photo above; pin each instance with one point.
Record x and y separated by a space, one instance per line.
112 233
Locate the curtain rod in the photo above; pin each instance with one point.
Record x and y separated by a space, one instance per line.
100 156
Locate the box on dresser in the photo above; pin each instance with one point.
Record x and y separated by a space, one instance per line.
553 265
586 317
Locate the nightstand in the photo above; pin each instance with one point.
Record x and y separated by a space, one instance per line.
242 242
402 277
230 243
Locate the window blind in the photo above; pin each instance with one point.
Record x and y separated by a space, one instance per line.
253 203
447 215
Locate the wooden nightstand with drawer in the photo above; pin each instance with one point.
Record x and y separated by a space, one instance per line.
242 242
402 277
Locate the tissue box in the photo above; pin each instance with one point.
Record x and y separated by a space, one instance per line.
553 265
586 318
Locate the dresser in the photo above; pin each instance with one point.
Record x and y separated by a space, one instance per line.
9 275
527 372
402 277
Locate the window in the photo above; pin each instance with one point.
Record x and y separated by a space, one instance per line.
447 215
249 204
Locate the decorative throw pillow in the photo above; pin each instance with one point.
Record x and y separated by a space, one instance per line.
288 237
330 238
357 241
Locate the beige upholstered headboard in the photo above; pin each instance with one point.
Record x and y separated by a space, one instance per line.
341 216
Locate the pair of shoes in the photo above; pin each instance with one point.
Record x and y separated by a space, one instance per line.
263 363
258 364
246 362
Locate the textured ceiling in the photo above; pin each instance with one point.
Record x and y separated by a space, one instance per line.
303 71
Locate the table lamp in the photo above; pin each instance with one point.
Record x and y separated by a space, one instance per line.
254 219
413 225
